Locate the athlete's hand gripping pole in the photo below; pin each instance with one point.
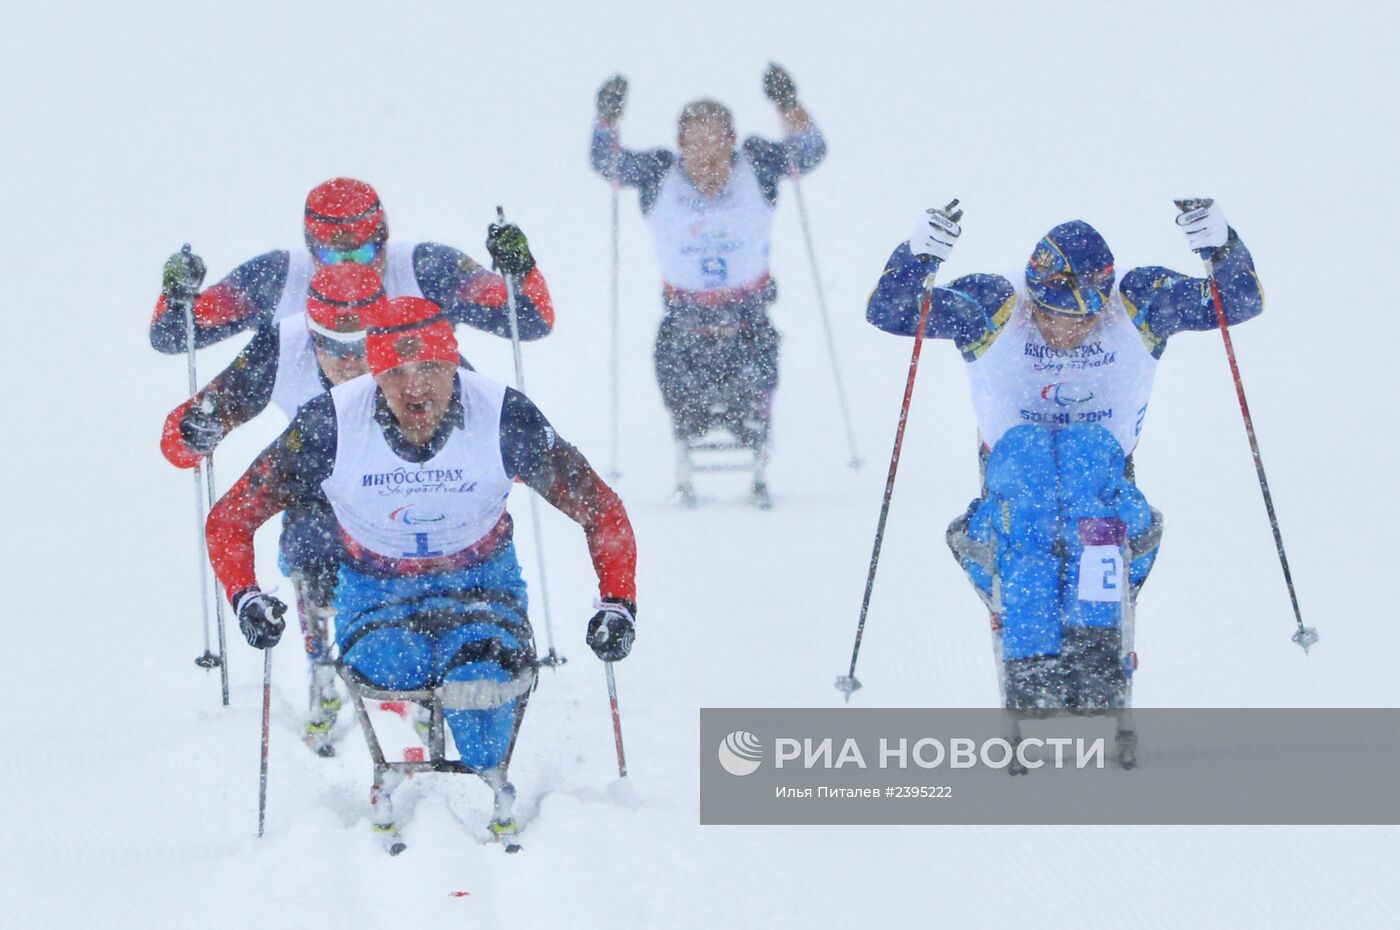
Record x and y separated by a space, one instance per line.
947 221
1198 214
512 279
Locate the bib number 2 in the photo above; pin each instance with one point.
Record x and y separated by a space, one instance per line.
1101 574
1101 570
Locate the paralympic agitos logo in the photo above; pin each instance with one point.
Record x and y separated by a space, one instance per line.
406 515
1065 395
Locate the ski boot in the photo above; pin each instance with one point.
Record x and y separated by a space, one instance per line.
382 812
761 498
325 705
502 827
315 591
684 495
1126 743
421 718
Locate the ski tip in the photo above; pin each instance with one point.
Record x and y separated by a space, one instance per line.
513 847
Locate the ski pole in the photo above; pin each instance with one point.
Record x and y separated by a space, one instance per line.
617 721
614 472
553 659
266 720
208 660
848 683
218 586
1304 636
855 461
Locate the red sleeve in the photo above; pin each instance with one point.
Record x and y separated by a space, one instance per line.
612 544
257 497
489 290
537 290
172 445
583 497
217 306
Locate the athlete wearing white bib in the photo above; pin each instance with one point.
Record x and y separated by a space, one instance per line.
344 223
709 209
429 509
1061 365
417 461
398 275
298 377
1021 379
708 243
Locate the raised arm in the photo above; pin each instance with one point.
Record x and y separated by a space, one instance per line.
1163 302
642 170
970 311
803 146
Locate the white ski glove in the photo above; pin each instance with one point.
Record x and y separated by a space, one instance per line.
1203 223
936 233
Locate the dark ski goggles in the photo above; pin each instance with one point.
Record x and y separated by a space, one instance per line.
339 348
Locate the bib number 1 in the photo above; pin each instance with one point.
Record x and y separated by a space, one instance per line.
423 550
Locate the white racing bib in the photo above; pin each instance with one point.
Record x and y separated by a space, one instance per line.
1101 576
298 376
404 510
299 271
399 278
1107 379
708 243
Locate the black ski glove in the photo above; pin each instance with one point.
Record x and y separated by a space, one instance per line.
778 87
201 429
182 276
612 630
509 249
611 96
259 617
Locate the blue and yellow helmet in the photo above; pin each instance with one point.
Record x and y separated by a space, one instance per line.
1071 270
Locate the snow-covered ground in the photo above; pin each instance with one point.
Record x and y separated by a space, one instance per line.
130 794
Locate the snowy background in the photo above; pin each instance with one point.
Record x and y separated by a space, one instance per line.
130 795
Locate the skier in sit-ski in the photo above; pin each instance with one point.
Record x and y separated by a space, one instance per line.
1061 364
417 462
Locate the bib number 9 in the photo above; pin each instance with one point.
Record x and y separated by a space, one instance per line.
715 271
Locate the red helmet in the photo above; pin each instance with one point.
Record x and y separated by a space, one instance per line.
409 329
345 213
341 301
